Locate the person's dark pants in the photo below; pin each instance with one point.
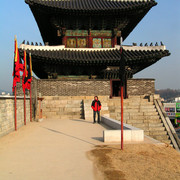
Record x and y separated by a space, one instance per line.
98 114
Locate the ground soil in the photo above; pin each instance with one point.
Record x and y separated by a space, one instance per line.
136 162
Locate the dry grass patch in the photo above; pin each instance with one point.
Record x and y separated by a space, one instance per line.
144 161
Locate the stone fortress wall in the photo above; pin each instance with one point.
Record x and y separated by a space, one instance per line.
7 113
50 87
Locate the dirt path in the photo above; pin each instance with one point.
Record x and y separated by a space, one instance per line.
136 162
57 150
52 149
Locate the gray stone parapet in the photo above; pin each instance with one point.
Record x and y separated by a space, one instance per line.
7 122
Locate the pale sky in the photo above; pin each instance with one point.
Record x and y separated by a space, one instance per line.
162 23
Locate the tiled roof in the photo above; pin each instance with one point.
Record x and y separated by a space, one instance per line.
111 56
88 5
53 15
136 58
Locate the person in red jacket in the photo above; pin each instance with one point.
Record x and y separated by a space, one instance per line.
96 106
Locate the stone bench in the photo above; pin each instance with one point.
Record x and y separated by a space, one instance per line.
130 133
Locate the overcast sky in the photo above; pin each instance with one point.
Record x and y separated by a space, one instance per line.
162 23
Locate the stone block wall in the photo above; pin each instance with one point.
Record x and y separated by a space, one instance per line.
51 87
7 119
73 88
34 93
136 87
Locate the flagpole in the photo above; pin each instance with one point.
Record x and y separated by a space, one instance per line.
30 68
15 99
122 83
24 108
24 89
15 113
30 104
121 117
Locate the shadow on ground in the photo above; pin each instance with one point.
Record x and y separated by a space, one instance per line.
59 132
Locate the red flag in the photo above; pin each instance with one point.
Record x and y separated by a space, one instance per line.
24 79
21 65
16 73
27 74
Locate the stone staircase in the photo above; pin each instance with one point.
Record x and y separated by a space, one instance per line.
57 107
140 113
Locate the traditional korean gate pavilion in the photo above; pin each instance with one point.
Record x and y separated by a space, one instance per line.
82 39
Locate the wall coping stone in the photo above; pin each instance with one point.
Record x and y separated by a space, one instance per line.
138 79
73 80
12 97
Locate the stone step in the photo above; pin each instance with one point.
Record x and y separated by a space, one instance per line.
143 117
141 103
151 133
137 104
140 125
64 116
138 107
118 109
148 110
63 103
155 124
152 120
167 142
133 103
133 113
127 110
149 130
154 133
135 121
61 113
64 112
150 113
156 128
62 109
148 126
137 118
160 137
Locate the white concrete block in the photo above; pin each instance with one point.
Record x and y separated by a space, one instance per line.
115 135
130 133
137 135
